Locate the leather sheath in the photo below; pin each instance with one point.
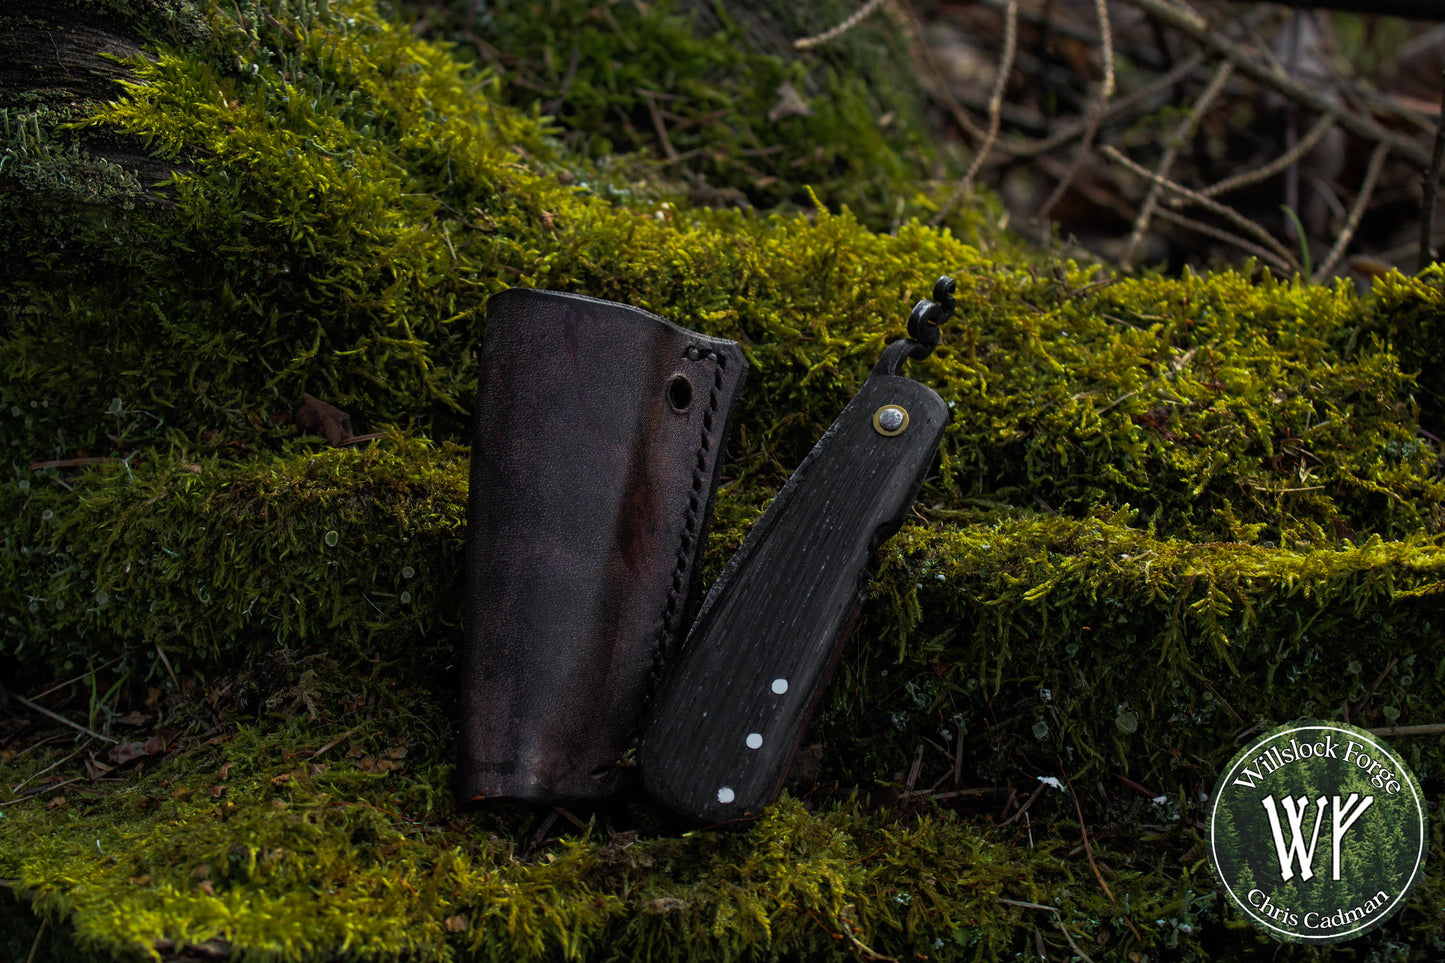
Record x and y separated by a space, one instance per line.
598 433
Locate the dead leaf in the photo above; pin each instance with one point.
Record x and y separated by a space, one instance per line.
133 718
316 417
129 752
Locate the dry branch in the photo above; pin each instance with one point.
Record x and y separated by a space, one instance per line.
1254 66
1367 189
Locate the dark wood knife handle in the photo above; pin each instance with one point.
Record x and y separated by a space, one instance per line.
737 699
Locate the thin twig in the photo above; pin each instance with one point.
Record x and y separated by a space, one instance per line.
1089 852
1372 174
1432 183
60 718
1384 673
80 678
1058 921
1025 807
1223 210
863 950
1096 113
1182 133
1068 132
861 14
167 663
75 462
658 125
938 86
914 769
40 792
1220 234
36 775
337 741
36 945
995 102
995 107
1306 144
1088 849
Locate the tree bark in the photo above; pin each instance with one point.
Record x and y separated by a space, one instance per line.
55 59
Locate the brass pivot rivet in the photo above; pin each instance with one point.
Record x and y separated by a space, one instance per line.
890 420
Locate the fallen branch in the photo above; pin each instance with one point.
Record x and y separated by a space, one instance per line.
1267 73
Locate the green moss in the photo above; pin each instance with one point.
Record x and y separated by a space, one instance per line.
620 79
199 563
1119 652
1165 510
286 843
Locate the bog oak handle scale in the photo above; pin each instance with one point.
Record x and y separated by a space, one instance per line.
733 710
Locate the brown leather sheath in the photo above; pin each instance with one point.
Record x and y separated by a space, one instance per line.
598 434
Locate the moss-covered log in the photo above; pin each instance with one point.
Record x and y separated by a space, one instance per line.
1167 511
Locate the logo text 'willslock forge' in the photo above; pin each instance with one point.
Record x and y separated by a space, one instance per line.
1317 831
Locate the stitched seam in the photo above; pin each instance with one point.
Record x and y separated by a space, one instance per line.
697 502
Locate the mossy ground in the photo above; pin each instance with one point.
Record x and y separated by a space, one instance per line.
1167 510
